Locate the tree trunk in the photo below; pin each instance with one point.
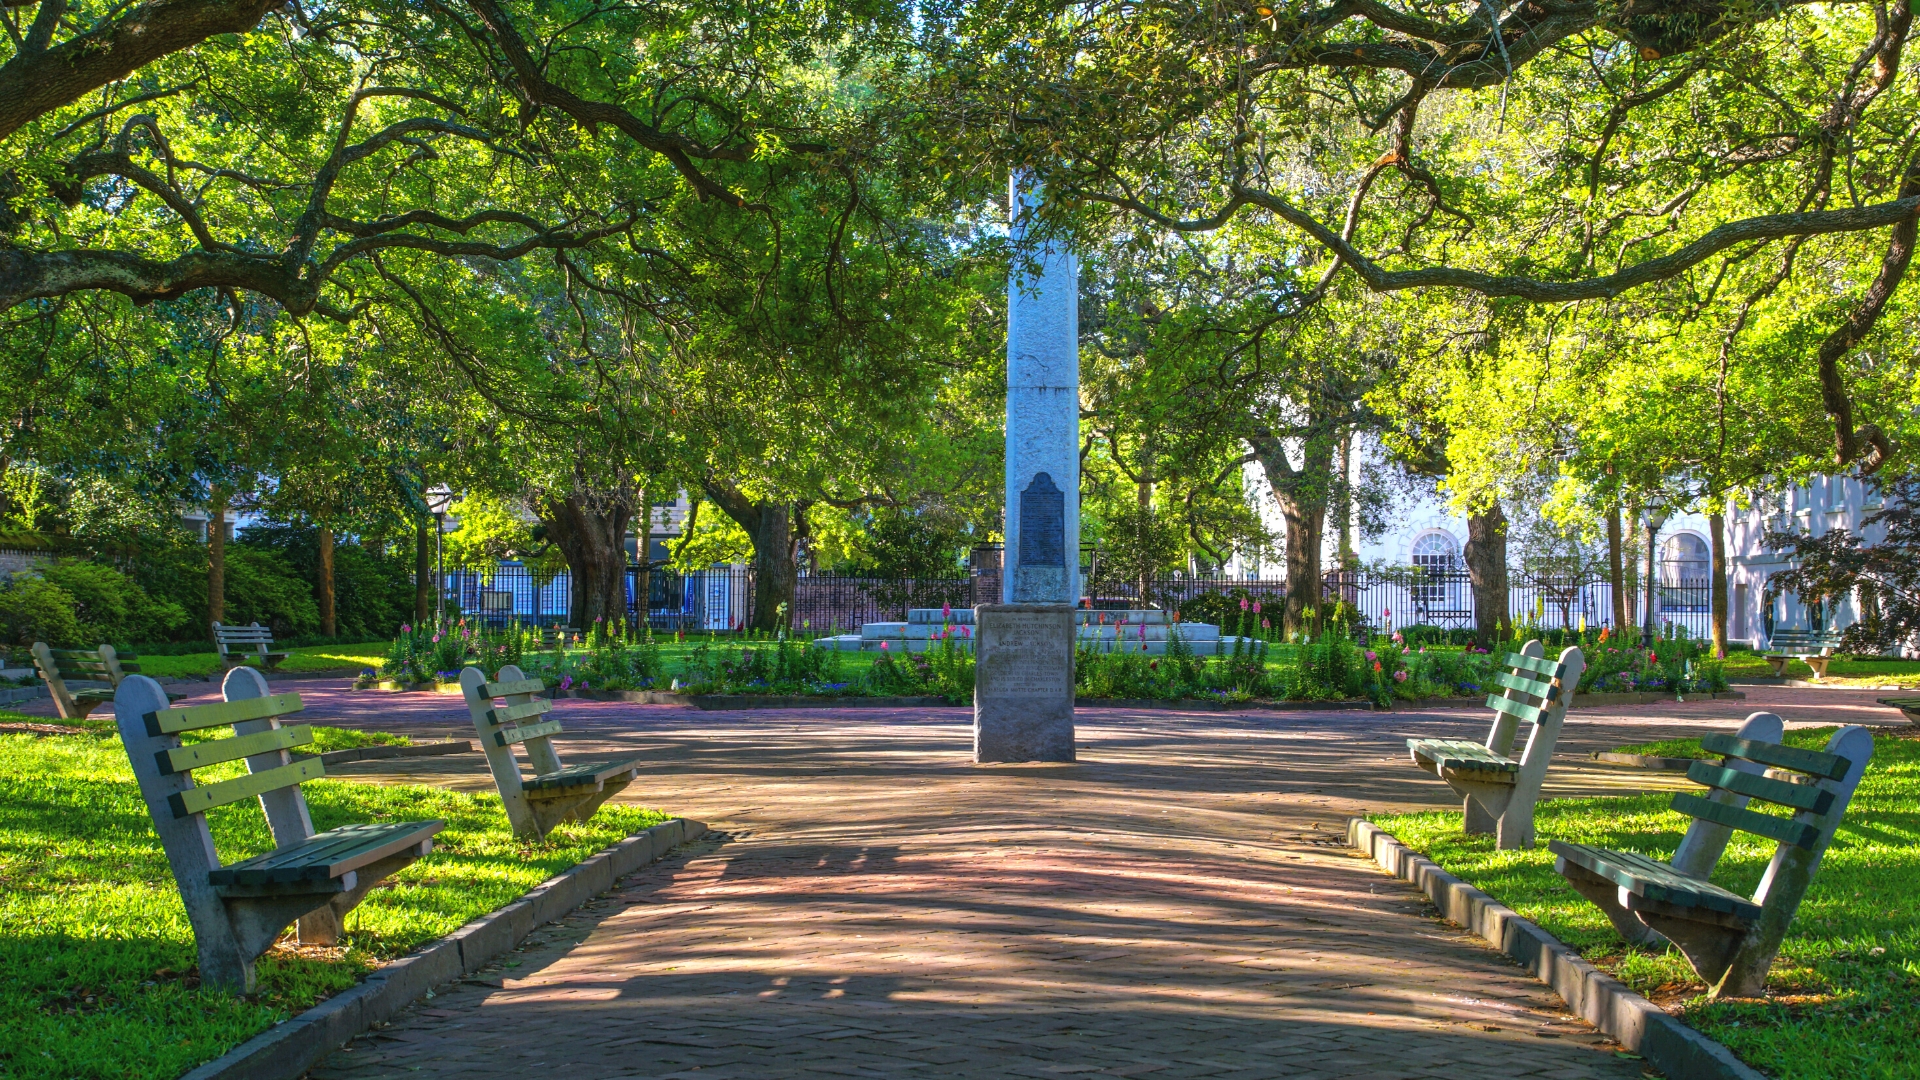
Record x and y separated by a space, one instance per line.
776 530
1486 558
591 532
1616 568
422 575
1717 526
1302 496
328 627
643 558
217 556
1343 512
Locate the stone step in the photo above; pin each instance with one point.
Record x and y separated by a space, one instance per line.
1155 632
1155 646
934 616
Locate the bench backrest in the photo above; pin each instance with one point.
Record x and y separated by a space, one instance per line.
164 765
1800 639
1534 689
521 721
1819 801
56 666
253 637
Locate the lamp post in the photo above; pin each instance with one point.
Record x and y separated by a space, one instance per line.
1656 518
438 502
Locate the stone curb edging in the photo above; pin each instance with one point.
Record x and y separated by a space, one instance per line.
1604 1001
381 752
288 1050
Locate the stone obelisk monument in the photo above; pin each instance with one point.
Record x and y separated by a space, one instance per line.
1023 691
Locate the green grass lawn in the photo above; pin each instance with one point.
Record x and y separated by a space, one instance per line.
1842 671
1846 987
98 953
311 658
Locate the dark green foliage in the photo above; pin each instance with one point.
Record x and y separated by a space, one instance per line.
372 593
110 606
263 587
32 609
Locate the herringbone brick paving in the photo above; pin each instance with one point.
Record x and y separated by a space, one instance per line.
1178 904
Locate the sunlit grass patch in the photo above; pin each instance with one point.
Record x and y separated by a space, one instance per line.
1845 990
98 953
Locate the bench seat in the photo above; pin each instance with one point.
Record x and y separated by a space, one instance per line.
588 774
327 856
1656 881
1910 706
1464 756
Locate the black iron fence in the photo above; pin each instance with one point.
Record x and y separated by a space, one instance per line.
721 598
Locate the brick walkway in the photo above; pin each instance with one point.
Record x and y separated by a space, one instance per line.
1177 904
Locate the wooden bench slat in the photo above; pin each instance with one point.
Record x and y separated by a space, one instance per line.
1459 754
221 713
1540 664
1644 876
509 736
198 800
1779 792
515 713
1786 830
518 686
1529 713
1539 688
583 775
77 654
328 855
1825 766
187 758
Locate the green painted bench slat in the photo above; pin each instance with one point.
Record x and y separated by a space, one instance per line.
1900 702
1530 713
1539 688
1778 792
518 686
584 775
1825 766
198 800
1460 754
1643 876
328 855
513 714
222 713
524 732
1540 664
187 758
1786 830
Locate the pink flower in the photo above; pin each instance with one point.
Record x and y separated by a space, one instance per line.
1266 624
946 611
883 646
1386 613
1256 607
964 632
1371 656
1243 603
405 629
1399 676
436 639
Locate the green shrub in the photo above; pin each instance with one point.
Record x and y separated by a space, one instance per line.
263 587
34 609
111 606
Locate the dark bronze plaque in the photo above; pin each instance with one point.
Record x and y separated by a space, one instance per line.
1043 523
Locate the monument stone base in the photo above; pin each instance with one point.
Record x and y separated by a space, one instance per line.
1023 683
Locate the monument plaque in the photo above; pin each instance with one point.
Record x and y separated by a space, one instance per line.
1023 683
1040 577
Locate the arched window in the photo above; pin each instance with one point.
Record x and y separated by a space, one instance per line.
1686 560
1437 557
1436 551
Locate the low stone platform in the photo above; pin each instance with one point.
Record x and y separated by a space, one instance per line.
1147 631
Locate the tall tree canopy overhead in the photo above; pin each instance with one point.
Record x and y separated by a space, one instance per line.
1545 150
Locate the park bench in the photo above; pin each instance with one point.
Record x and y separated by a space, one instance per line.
1729 939
101 665
1908 706
239 910
1810 647
1499 791
555 792
255 642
